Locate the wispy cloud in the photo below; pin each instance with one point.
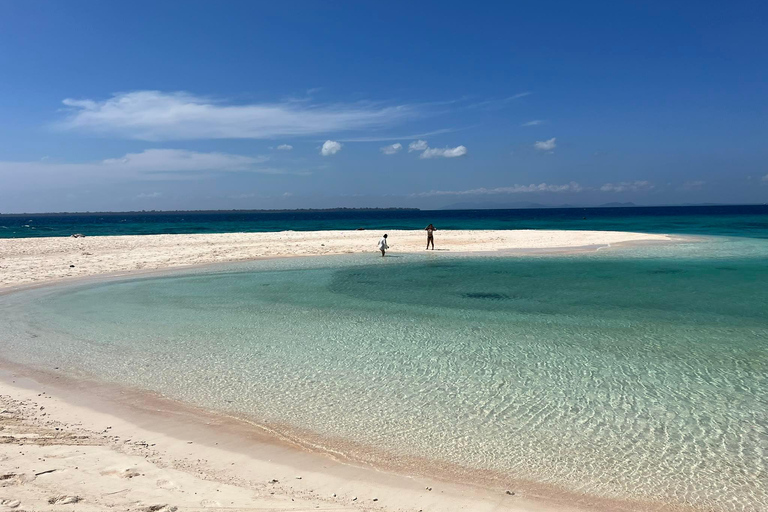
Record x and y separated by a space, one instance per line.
535 122
498 104
157 116
386 138
444 152
693 185
627 186
330 147
417 145
765 178
149 195
391 149
149 164
514 189
545 145
284 147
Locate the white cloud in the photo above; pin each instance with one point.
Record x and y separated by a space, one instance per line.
417 145
627 186
535 122
391 149
330 147
157 115
514 189
444 152
545 145
285 147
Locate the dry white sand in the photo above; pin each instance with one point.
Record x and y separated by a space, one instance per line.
35 260
70 445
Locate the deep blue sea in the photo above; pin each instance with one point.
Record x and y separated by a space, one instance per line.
750 221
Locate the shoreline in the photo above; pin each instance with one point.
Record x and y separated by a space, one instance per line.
146 433
35 260
395 488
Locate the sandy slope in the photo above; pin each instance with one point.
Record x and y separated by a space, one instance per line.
30 260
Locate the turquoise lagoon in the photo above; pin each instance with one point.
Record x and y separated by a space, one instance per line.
637 373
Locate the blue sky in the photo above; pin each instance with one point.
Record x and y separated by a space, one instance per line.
201 105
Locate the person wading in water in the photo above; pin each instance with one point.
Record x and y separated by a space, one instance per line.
383 246
430 237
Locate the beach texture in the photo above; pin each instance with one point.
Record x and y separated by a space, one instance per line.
37 260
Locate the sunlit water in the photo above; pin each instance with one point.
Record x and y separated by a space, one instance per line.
637 373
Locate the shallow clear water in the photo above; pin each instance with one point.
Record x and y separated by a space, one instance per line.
639 373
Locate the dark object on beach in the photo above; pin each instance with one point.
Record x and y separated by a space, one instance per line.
78 235
71 266
510 493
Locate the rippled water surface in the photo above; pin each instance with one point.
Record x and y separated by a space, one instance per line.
631 374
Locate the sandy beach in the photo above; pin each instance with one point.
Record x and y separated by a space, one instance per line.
38 260
71 445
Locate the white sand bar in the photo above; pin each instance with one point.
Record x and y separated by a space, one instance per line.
35 260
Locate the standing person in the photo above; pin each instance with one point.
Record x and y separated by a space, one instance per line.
383 246
430 237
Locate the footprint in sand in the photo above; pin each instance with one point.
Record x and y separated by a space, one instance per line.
9 503
166 484
64 500
125 473
159 508
7 479
210 503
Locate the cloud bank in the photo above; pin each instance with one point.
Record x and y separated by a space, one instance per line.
149 164
514 189
627 186
159 116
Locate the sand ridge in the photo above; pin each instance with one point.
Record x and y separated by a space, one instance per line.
36 260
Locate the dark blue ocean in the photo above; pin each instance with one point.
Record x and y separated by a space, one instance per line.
746 221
